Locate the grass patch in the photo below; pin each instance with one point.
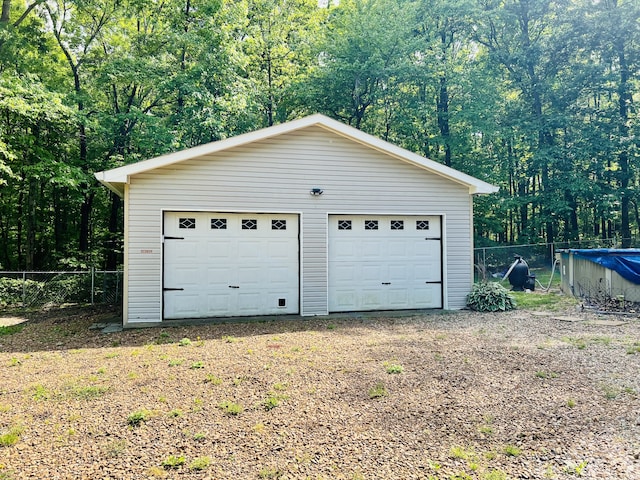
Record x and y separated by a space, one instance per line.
137 418
378 391
543 301
10 329
393 368
512 451
200 463
212 379
89 392
173 461
11 436
231 408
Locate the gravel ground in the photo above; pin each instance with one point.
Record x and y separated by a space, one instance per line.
437 396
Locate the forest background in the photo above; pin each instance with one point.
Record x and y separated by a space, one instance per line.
536 96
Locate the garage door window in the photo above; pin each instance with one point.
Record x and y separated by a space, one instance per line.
397 224
422 224
371 224
249 224
344 224
278 224
187 223
218 224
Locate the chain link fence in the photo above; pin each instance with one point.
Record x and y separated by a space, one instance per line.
493 262
38 289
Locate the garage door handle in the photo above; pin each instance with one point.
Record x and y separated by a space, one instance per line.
234 286
172 289
386 283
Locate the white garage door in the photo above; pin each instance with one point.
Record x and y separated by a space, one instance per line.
384 262
220 264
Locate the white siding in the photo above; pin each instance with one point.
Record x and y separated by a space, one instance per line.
276 175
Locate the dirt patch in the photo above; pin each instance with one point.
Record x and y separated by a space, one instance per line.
447 396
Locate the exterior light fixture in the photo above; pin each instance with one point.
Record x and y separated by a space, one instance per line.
316 192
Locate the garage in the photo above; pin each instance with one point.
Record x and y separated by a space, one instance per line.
307 217
224 264
382 262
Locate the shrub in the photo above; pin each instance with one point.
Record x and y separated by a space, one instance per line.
490 297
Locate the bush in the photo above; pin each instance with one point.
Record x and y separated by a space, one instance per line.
490 297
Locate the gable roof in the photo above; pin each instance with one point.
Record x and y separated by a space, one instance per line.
116 178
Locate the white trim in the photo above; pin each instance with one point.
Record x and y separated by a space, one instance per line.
116 178
125 252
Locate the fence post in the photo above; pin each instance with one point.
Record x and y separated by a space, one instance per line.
24 289
93 281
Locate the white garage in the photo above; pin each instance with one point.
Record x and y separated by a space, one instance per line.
304 218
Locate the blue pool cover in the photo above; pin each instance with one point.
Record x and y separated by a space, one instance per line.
625 262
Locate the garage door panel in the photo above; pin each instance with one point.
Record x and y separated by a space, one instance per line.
230 264
387 267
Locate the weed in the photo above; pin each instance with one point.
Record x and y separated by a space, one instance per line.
270 473
461 476
393 368
494 475
485 430
14 362
271 402
196 365
279 386
212 379
230 408
610 392
331 326
512 451
89 392
545 375
258 428
115 448
11 437
138 417
175 413
156 472
173 461
200 463
40 393
633 349
176 362
10 329
571 403
111 355
580 468
461 453
4 407
184 342
378 391
163 338
199 436
230 339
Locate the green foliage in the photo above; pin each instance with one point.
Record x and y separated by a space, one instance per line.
378 391
11 436
490 297
173 461
138 417
10 329
230 408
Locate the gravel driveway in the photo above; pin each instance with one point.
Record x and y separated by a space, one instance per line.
439 396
